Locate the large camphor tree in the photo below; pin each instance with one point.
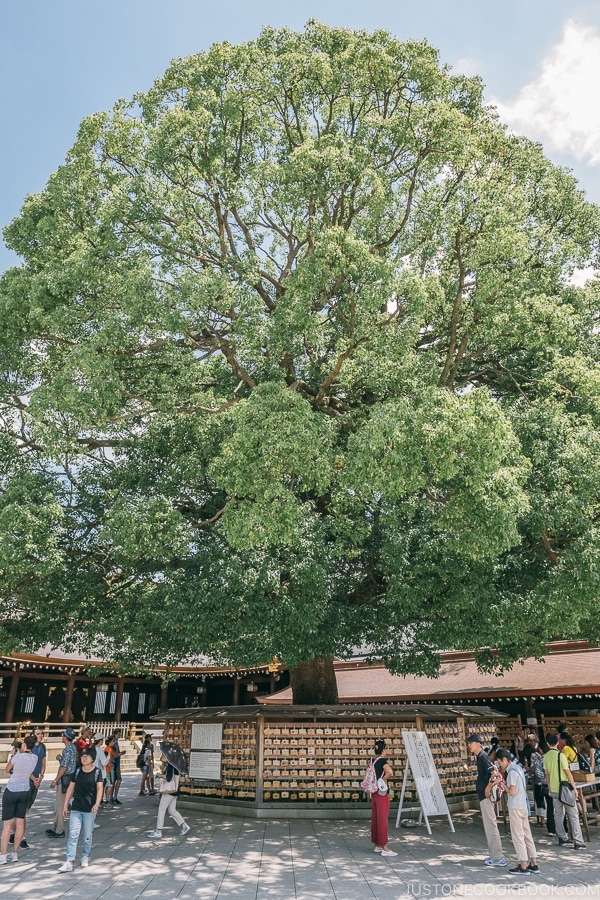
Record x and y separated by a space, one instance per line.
294 363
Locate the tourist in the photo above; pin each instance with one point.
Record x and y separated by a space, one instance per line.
518 814
117 753
485 770
380 802
66 768
169 791
109 769
86 789
38 750
540 786
102 757
594 752
15 798
557 770
84 740
147 782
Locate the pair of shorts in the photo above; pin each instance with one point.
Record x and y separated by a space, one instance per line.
33 792
14 804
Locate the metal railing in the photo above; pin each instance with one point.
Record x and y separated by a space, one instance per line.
130 731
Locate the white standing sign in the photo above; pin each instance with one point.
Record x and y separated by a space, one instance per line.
421 772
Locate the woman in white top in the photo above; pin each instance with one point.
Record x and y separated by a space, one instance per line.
15 798
102 758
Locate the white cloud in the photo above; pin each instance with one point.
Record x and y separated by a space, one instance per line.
467 66
580 277
561 108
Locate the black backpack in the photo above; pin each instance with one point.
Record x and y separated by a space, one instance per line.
140 759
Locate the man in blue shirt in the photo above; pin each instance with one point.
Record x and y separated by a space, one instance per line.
485 768
67 766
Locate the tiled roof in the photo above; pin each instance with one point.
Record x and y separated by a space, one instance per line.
568 669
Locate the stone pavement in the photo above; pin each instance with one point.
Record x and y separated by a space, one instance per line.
228 858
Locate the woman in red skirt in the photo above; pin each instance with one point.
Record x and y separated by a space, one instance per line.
380 803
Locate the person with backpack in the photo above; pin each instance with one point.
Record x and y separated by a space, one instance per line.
86 789
117 753
375 784
147 759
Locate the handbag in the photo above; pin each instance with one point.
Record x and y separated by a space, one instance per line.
382 787
169 787
65 781
566 793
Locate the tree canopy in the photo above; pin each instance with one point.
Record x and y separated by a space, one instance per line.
293 364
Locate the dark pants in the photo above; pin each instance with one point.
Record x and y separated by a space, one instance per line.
550 823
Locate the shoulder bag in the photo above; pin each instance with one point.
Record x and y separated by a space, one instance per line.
566 792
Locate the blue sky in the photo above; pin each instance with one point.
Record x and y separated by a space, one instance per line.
61 60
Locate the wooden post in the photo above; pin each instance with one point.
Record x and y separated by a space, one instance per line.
236 692
260 753
119 700
12 697
530 711
164 698
66 716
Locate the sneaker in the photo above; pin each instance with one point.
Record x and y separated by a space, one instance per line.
579 846
66 867
117 802
3 859
389 853
24 845
535 870
563 841
495 862
12 857
518 871
184 829
155 834
85 861
54 834
11 839
377 849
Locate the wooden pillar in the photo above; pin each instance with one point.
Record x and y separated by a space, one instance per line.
12 697
66 716
119 700
164 698
236 691
529 712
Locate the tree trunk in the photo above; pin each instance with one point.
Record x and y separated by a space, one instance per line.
314 682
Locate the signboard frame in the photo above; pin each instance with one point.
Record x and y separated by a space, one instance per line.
421 773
